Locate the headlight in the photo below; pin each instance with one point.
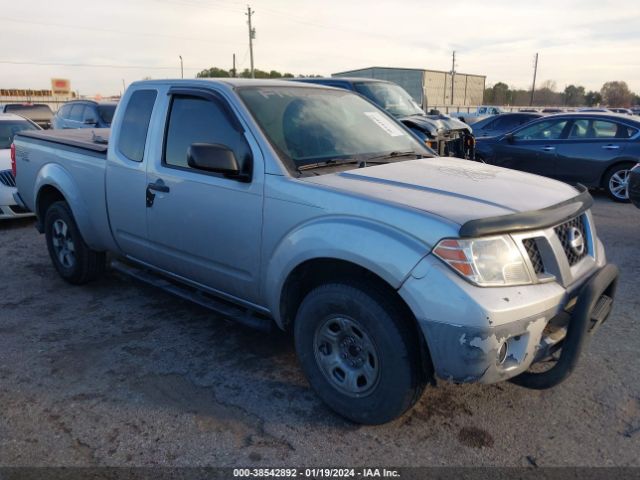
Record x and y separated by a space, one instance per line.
487 262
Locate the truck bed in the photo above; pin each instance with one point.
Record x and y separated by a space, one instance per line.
95 140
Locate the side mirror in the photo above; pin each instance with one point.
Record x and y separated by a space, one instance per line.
90 121
509 137
213 157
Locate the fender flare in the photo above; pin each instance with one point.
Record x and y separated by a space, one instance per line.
54 175
386 252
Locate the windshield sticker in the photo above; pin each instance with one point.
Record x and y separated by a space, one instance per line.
385 124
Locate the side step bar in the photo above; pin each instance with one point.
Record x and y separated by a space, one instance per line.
233 312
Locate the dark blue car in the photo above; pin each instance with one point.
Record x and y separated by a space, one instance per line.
84 114
595 149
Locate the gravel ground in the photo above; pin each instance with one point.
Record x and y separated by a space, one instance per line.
117 373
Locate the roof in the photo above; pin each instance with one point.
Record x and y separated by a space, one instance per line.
340 79
232 82
411 69
601 115
95 102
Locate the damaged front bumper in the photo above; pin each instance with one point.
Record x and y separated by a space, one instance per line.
488 335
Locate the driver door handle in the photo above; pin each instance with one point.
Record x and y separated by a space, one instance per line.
158 186
611 147
548 148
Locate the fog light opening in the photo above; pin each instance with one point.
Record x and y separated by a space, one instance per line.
502 353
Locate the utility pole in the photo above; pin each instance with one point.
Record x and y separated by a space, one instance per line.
533 88
233 70
252 36
181 67
453 74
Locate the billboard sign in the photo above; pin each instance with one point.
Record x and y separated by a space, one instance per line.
60 86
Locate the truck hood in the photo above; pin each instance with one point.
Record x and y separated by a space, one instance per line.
457 190
434 123
5 159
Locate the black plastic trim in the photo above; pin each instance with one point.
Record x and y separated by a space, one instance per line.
63 139
209 95
533 220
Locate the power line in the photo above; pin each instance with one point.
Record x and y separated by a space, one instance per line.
93 65
109 30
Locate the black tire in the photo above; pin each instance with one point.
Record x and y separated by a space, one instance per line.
77 264
607 183
399 379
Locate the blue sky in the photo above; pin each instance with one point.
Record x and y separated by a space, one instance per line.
585 42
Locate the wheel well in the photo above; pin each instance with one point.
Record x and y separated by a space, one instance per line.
608 170
46 196
313 273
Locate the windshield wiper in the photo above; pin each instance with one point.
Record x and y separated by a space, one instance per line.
392 155
362 162
333 162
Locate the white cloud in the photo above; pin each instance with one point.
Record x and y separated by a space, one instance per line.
585 42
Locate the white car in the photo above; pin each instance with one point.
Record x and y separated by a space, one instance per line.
10 124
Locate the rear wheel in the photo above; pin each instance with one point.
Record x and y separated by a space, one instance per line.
616 182
358 352
73 259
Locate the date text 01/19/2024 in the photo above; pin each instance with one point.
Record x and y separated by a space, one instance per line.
315 473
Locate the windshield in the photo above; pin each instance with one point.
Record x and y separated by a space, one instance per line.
311 125
393 98
106 112
8 129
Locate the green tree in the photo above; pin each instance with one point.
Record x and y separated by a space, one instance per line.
213 72
616 94
574 95
500 94
592 98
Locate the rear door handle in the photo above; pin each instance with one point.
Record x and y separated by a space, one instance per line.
611 147
548 149
158 186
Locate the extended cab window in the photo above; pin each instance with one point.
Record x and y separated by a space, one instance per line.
198 120
135 124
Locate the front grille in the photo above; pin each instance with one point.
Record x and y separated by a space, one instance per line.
7 178
565 235
533 251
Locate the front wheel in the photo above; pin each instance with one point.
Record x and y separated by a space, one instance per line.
358 352
73 259
616 182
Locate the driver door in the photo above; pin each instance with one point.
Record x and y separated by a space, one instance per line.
533 148
203 226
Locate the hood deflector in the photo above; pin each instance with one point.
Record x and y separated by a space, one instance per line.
532 220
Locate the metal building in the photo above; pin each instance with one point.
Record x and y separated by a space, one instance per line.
429 88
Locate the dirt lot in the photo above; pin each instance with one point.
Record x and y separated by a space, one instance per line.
117 373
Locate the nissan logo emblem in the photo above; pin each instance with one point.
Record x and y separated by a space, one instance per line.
576 241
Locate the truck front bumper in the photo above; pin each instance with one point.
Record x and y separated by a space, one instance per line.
488 335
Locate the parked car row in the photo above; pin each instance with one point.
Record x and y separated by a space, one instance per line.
73 114
591 148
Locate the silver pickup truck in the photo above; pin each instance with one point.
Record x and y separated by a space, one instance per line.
308 207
